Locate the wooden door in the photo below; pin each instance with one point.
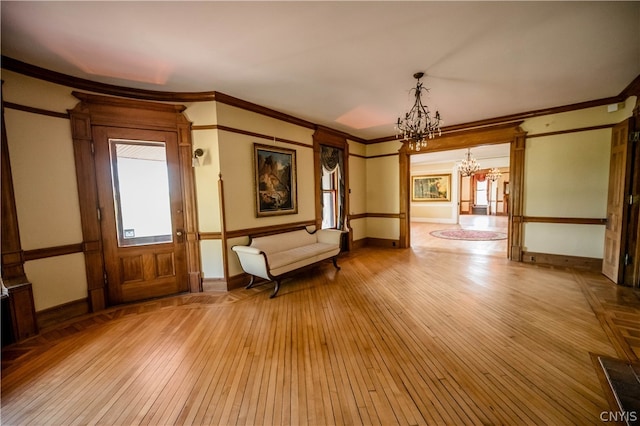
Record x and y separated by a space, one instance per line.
141 217
611 265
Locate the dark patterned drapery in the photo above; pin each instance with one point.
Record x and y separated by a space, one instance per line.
332 160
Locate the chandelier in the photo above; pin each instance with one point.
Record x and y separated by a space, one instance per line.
468 165
418 125
494 174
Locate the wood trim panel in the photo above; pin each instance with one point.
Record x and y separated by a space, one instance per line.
252 134
190 206
12 262
359 156
272 229
358 244
224 235
238 281
393 154
61 313
381 242
88 196
103 88
576 262
357 216
564 132
152 95
515 232
22 310
47 252
565 220
38 111
239 103
214 284
519 117
404 178
380 215
385 215
210 236
493 135
118 112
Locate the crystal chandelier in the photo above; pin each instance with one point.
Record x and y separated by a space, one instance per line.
418 125
468 165
494 174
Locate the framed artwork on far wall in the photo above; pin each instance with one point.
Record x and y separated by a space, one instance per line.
275 180
431 188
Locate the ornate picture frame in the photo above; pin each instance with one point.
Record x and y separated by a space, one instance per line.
431 188
275 180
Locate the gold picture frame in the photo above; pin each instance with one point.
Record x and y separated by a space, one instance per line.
431 188
275 180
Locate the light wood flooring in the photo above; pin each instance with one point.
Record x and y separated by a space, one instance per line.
421 237
404 337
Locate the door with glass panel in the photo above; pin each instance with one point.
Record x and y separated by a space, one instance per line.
141 217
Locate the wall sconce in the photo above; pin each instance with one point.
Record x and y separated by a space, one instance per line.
195 161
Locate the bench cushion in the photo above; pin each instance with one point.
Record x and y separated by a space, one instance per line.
288 260
283 242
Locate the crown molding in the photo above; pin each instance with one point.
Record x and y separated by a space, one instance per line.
633 89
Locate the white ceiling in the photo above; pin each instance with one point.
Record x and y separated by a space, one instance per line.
345 65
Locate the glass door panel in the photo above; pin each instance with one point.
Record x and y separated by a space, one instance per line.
141 192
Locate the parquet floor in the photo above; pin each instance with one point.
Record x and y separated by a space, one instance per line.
421 336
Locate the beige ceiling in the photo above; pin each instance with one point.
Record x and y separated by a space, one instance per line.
346 65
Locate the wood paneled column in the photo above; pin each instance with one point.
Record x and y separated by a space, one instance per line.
23 315
516 207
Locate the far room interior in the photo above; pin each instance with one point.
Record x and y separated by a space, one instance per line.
475 198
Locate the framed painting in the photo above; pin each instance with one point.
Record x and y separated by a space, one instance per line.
275 180
431 188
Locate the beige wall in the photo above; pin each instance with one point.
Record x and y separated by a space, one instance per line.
358 188
207 189
236 153
566 176
436 211
43 168
383 190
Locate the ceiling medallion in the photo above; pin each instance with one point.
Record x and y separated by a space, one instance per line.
418 125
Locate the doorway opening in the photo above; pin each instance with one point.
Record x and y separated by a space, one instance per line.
476 204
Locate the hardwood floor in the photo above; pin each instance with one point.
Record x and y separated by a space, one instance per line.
403 337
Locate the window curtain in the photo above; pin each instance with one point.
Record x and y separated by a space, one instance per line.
332 159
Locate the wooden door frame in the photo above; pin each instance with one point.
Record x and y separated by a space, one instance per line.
117 112
510 133
631 274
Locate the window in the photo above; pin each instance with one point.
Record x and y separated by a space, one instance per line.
329 198
141 192
481 193
332 189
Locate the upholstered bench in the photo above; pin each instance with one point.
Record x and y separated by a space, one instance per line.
273 257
